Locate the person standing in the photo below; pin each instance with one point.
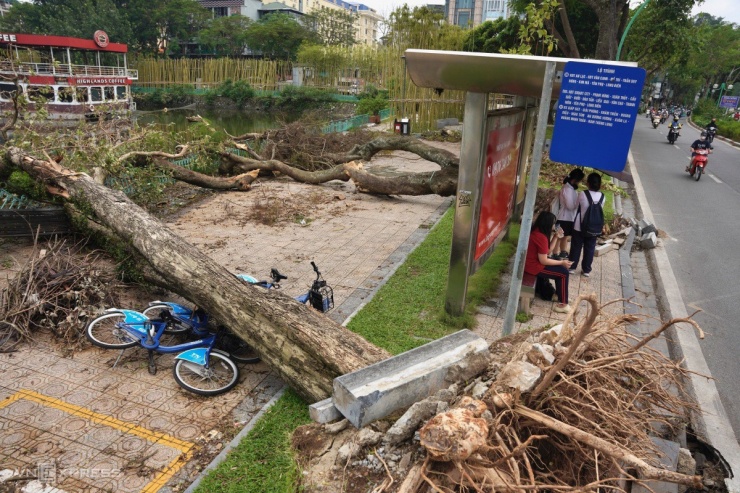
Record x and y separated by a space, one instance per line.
568 208
537 262
584 239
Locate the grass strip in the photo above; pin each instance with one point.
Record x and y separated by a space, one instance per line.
407 311
263 460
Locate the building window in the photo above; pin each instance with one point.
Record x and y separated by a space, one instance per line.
220 12
465 4
463 18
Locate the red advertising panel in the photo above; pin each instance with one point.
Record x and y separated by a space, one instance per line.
499 178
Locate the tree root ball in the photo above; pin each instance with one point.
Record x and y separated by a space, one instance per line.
457 434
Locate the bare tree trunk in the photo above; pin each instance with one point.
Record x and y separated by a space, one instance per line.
306 349
240 182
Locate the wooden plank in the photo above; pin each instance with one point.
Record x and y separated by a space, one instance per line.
26 222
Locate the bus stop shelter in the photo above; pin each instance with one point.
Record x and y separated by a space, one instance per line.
495 151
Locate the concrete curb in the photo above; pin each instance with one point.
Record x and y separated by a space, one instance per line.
712 422
234 442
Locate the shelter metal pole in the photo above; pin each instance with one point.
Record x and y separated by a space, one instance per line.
529 201
468 200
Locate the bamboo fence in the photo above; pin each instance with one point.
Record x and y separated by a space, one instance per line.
384 68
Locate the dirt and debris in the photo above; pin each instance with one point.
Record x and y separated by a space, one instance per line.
581 422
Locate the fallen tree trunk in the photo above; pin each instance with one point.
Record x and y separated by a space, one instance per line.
242 182
442 182
306 349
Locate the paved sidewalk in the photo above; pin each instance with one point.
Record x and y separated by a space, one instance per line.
605 281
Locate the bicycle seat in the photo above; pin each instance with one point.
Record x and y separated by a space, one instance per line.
276 276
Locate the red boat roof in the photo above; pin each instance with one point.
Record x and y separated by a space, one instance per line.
59 42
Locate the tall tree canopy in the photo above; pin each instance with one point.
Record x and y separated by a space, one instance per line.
422 28
226 36
76 18
334 27
278 36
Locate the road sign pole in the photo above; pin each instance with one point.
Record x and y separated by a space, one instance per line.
529 201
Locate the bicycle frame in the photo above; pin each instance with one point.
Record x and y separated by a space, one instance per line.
149 332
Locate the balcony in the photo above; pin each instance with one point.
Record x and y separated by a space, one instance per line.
62 70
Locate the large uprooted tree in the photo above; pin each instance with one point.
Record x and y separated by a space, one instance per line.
307 349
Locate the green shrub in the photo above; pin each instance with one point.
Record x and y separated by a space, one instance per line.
371 106
21 183
301 97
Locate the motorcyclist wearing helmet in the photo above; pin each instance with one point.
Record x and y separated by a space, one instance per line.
676 124
712 126
700 143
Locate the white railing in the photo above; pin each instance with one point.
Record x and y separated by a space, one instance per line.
30 68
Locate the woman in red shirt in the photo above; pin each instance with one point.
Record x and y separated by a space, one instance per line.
537 262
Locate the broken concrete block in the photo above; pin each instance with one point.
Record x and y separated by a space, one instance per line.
551 335
686 465
619 241
625 232
519 375
649 241
668 459
367 437
604 249
540 353
324 411
646 227
479 390
385 387
347 452
404 428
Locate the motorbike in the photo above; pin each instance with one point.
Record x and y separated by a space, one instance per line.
656 121
663 118
698 163
711 132
673 134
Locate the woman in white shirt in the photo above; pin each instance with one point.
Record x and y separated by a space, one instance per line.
582 241
568 209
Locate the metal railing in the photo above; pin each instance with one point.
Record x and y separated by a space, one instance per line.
11 201
354 122
67 70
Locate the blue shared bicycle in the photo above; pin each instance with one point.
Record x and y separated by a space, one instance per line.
199 367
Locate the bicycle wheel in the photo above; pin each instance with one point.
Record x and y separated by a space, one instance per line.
161 312
104 332
220 376
238 350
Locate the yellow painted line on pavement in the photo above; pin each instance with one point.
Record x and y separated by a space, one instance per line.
128 428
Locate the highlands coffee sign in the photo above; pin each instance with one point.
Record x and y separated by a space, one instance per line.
99 81
8 38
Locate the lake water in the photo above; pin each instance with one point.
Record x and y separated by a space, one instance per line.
234 122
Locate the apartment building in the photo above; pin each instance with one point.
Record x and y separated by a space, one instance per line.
366 25
471 13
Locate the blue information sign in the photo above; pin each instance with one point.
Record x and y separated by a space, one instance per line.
729 102
596 114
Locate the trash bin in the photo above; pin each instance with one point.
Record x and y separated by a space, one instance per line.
396 126
405 126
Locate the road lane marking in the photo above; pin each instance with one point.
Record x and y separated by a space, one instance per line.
710 175
152 436
674 145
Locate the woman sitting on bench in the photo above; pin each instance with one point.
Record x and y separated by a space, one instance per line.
537 262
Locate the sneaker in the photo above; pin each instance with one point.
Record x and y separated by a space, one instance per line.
586 274
562 309
563 254
571 271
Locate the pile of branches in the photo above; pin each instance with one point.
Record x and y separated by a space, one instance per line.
303 146
59 289
582 427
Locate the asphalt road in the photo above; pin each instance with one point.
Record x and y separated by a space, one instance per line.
702 220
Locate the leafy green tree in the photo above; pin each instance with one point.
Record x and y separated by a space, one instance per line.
76 18
278 36
226 36
334 27
422 28
497 36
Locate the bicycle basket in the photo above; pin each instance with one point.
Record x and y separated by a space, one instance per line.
321 298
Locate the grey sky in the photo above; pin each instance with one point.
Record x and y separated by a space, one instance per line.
723 8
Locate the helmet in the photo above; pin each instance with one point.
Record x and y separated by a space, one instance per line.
703 135
675 118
